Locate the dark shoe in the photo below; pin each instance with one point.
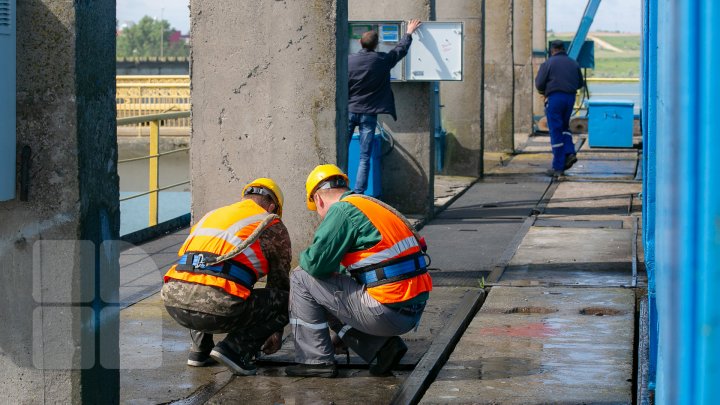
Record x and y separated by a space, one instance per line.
554 173
200 359
238 363
312 370
388 356
570 160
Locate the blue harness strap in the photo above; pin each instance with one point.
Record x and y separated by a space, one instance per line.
404 268
233 271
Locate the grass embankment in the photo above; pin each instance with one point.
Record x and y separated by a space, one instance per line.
620 59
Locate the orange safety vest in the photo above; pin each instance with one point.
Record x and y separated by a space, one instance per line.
397 240
219 232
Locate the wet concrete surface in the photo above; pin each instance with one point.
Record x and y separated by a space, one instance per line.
154 351
536 345
574 256
526 345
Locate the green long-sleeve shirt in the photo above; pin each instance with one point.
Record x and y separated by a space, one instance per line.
344 229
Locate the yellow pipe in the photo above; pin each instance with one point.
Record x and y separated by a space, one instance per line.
153 172
613 80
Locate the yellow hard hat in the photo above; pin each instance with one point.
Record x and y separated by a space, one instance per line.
320 174
264 183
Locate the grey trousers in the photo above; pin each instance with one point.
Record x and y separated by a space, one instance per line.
342 304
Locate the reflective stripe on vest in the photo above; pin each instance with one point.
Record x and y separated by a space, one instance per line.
219 232
396 240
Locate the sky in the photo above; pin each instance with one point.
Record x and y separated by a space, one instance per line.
612 15
563 15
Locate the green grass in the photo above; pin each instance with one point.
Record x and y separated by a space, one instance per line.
609 63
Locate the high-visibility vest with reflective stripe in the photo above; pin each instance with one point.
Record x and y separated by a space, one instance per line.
397 240
219 232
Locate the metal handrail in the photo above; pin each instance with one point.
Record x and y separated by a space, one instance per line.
153 158
154 190
140 119
149 156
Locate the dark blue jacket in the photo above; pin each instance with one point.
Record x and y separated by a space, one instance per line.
559 73
369 79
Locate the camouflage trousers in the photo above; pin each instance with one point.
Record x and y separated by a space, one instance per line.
253 321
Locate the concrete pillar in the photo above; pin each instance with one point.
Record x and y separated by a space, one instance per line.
269 91
539 41
522 58
499 76
59 329
408 171
463 101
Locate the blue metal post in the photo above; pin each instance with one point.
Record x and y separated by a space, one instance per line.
583 29
7 101
708 243
688 203
649 125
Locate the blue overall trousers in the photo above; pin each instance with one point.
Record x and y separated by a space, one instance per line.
558 109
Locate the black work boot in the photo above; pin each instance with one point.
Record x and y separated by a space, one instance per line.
312 370
388 356
200 359
238 363
570 160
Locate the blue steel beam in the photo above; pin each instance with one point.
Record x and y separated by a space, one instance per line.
687 219
583 29
649 125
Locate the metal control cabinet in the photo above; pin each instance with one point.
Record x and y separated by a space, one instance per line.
436 53
610 124
7 100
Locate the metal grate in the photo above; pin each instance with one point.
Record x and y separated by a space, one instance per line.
6 16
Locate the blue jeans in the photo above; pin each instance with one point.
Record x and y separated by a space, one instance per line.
367 124
558 110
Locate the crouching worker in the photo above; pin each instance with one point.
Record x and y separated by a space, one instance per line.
364 276
210 289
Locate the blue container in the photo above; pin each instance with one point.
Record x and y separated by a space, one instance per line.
610 124
374 188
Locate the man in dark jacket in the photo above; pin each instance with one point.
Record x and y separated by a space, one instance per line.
370 93
558 79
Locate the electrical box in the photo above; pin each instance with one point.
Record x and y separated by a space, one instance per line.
7 100
435 54
389 34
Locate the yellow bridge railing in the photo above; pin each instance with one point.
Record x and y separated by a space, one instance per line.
153 157
156 94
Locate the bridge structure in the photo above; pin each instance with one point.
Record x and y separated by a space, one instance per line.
271 101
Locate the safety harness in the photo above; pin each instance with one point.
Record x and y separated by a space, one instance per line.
237 272
391 271
397 269
223 265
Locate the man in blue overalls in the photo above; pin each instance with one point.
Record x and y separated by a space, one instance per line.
559 78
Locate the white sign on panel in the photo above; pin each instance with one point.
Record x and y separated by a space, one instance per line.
436 52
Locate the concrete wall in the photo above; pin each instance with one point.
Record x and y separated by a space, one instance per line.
66 115
499 76
522 59
267 100
463 101
539 39
408 171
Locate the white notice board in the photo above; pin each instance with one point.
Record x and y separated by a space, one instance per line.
436 52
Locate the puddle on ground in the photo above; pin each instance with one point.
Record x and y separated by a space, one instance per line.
494 368
600 311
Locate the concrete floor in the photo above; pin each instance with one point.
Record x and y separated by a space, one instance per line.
556 327
543 345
